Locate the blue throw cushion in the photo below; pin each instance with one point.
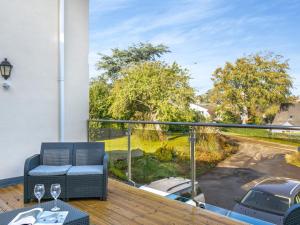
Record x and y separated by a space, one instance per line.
44 170
85 170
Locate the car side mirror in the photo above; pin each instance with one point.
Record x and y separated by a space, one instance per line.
202 205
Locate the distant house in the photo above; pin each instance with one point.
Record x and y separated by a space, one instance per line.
289 115
206 110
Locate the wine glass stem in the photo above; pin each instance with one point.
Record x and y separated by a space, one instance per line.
55 202
39 202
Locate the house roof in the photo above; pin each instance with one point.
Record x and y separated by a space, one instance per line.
210 108
289 114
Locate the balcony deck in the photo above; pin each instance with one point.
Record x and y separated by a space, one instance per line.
128 205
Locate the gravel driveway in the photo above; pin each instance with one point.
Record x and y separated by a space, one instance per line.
233 177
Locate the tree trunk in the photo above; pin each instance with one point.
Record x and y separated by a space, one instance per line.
244 116
158 129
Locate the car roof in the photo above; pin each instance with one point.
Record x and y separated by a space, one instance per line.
171 184
279 186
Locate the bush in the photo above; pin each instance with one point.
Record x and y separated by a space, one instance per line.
210 156
147 168
145 134
165 153
293 159
213 147
118 169
117 173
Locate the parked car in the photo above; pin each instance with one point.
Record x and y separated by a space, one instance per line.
176 188
270 199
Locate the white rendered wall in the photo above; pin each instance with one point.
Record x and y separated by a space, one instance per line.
29 109
76 69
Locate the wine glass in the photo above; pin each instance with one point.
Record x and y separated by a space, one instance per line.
39 191
55 191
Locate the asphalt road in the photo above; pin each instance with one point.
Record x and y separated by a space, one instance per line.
233 177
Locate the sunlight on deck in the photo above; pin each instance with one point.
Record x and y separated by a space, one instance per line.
128 205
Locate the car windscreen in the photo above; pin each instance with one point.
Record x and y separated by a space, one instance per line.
266 202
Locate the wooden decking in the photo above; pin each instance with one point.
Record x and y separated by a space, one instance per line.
128 205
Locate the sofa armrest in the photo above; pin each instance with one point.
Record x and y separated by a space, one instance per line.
31 163
105 175
105 163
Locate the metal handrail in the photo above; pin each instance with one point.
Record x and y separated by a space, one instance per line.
200 124
192 139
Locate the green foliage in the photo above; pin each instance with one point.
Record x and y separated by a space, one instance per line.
212 147
230 117
112 65
117 168
252 88
165 159
146 134
147 169
134 85
99 99
204 98
165 153
152 91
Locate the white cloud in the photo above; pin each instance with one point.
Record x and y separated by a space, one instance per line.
202 34
106 6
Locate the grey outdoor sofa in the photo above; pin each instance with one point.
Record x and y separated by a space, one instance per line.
80 168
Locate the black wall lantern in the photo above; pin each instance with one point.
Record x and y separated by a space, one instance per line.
5 69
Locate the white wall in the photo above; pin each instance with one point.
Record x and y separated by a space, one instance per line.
76 77
29 109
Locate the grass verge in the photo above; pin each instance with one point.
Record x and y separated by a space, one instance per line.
292 139
293 158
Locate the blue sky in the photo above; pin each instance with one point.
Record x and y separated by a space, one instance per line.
202 34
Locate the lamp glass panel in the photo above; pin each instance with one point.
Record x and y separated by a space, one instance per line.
7 70
2 70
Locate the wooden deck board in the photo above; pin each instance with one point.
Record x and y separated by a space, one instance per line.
128 205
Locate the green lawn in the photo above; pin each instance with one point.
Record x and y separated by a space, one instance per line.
146 168
156 165
179 142
292 139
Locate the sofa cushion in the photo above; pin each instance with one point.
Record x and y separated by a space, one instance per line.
85 170
44 170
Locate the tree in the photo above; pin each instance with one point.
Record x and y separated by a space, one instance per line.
204 98
252 88
123 58
99 99
153 91
111 65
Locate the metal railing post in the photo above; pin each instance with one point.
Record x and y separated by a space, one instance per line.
129 152
193 162
129 173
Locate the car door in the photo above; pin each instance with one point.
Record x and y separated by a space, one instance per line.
263 205
266 216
